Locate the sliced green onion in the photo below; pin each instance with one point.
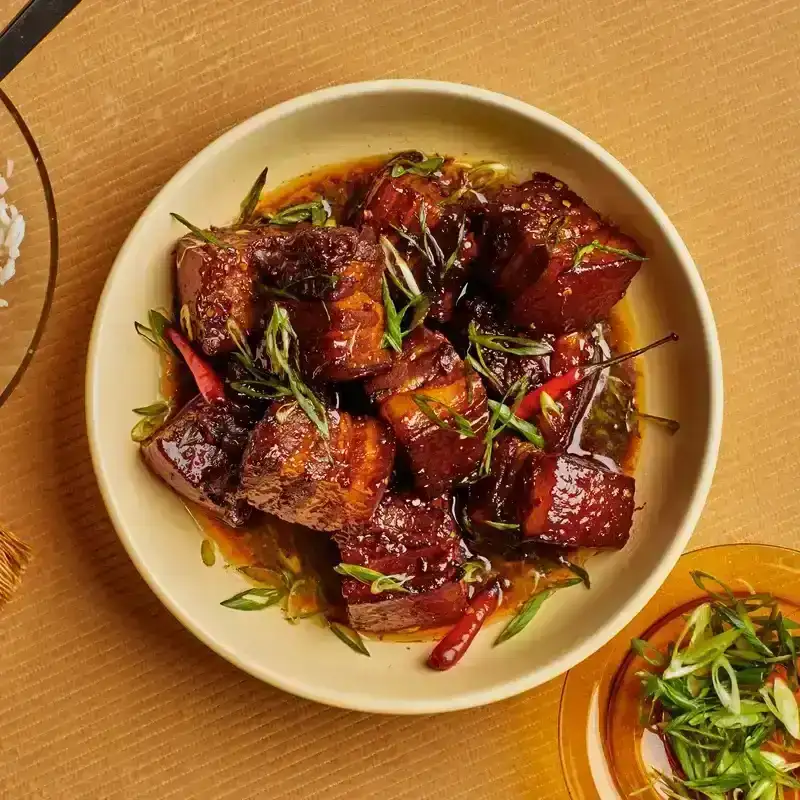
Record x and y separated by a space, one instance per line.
552 410
377 581
786 706
728 696
530 609
584 251
457 423
253 599
350 637
250 201
425 168
206 236
649 653
521 426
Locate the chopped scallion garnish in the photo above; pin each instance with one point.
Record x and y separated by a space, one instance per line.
723 698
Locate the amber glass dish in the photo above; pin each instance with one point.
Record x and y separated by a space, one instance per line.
29 293
605 752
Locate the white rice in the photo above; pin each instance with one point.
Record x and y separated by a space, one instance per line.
12 232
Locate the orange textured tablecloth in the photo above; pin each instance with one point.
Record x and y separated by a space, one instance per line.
102 693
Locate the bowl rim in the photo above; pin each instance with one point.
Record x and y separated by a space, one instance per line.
52 222
536 677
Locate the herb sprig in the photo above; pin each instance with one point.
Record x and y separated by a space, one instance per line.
155 333
476 570
530 608
206 236
250 201
254 599
455 422
396 328
289 589
283 379
286 587
425 168
153 417
317 212
350 637
722 697
281 348
478 177
501 526
584 251
261 385
552 410
426 244
503 417
497 424
377 581
509 345
509 419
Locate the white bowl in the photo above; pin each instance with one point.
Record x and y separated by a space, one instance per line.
683 381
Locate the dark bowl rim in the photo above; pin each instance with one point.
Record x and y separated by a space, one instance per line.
52 219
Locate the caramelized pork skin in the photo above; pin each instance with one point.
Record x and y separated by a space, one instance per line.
331 277
394 203
291 471
339 317
575 502
555 499
430 370
217 284
198 453
411 537
530 242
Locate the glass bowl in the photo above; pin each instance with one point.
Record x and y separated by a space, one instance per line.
604 753
30 292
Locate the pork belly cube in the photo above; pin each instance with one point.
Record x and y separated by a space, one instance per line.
521 223
335 274
571 296
530 237
412 537
445 286
555 499
216 284
397 203
430 370
496 497
504 368
198 454
291 471
575 502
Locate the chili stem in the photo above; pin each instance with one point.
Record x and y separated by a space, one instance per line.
672 426
560 384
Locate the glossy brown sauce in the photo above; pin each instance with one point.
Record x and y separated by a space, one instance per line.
270 544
